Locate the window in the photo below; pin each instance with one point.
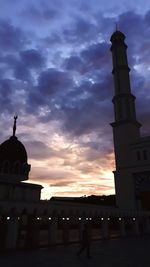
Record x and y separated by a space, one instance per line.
145 154
6 167
138 154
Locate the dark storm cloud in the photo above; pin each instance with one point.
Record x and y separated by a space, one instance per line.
103 90
12 38
52 40
51 83
21 72
28 60
88 99
147 18
78 106
34 13
85 117
23 62
138 54
137 35
32 58
141 91
129 18
53 80
80 31
41 12
6 90
92 58
137 31
74 63
96 56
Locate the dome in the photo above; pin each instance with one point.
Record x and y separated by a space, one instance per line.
13 150
117 36
13 159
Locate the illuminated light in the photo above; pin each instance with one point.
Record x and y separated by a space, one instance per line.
79 219
18 218
8 218
108 219
133 219
38 218
63 219
67 219
87 219
102 219
119 219
49 218
90 219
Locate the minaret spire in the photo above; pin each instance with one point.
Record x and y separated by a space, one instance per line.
14 126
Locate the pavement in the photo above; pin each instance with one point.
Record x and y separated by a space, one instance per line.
127 252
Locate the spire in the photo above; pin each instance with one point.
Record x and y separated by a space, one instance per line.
14 126
116 24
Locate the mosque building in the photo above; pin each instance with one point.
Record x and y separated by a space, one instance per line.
25 219
132 152
14 169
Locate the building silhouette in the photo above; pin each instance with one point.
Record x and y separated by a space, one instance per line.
13 170
132 152
26 221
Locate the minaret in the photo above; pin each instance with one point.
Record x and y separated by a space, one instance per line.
126 129
125 123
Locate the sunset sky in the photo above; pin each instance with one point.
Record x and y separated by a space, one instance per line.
55 73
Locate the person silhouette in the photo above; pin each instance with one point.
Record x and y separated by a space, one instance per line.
85 241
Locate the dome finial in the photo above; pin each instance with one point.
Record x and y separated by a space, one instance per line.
116 24
14 127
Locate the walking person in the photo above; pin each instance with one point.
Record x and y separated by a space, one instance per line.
85 241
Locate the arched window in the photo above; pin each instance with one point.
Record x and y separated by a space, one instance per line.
16 167
5 166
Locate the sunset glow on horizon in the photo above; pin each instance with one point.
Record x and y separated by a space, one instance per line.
72 169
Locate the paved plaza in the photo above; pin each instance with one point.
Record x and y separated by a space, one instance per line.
133 252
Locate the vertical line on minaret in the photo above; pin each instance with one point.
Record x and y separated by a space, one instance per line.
118 73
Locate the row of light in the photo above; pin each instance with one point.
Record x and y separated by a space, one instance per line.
87 219
67 219
8 218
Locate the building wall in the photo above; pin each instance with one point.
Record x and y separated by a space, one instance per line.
19 192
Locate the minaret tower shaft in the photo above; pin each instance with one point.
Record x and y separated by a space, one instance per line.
126 129
123 99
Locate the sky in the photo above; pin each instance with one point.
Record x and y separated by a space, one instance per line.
55 74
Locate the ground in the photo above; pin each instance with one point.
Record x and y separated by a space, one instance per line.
127 252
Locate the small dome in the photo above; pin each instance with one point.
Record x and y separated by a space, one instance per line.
117 36
13 150
13 159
